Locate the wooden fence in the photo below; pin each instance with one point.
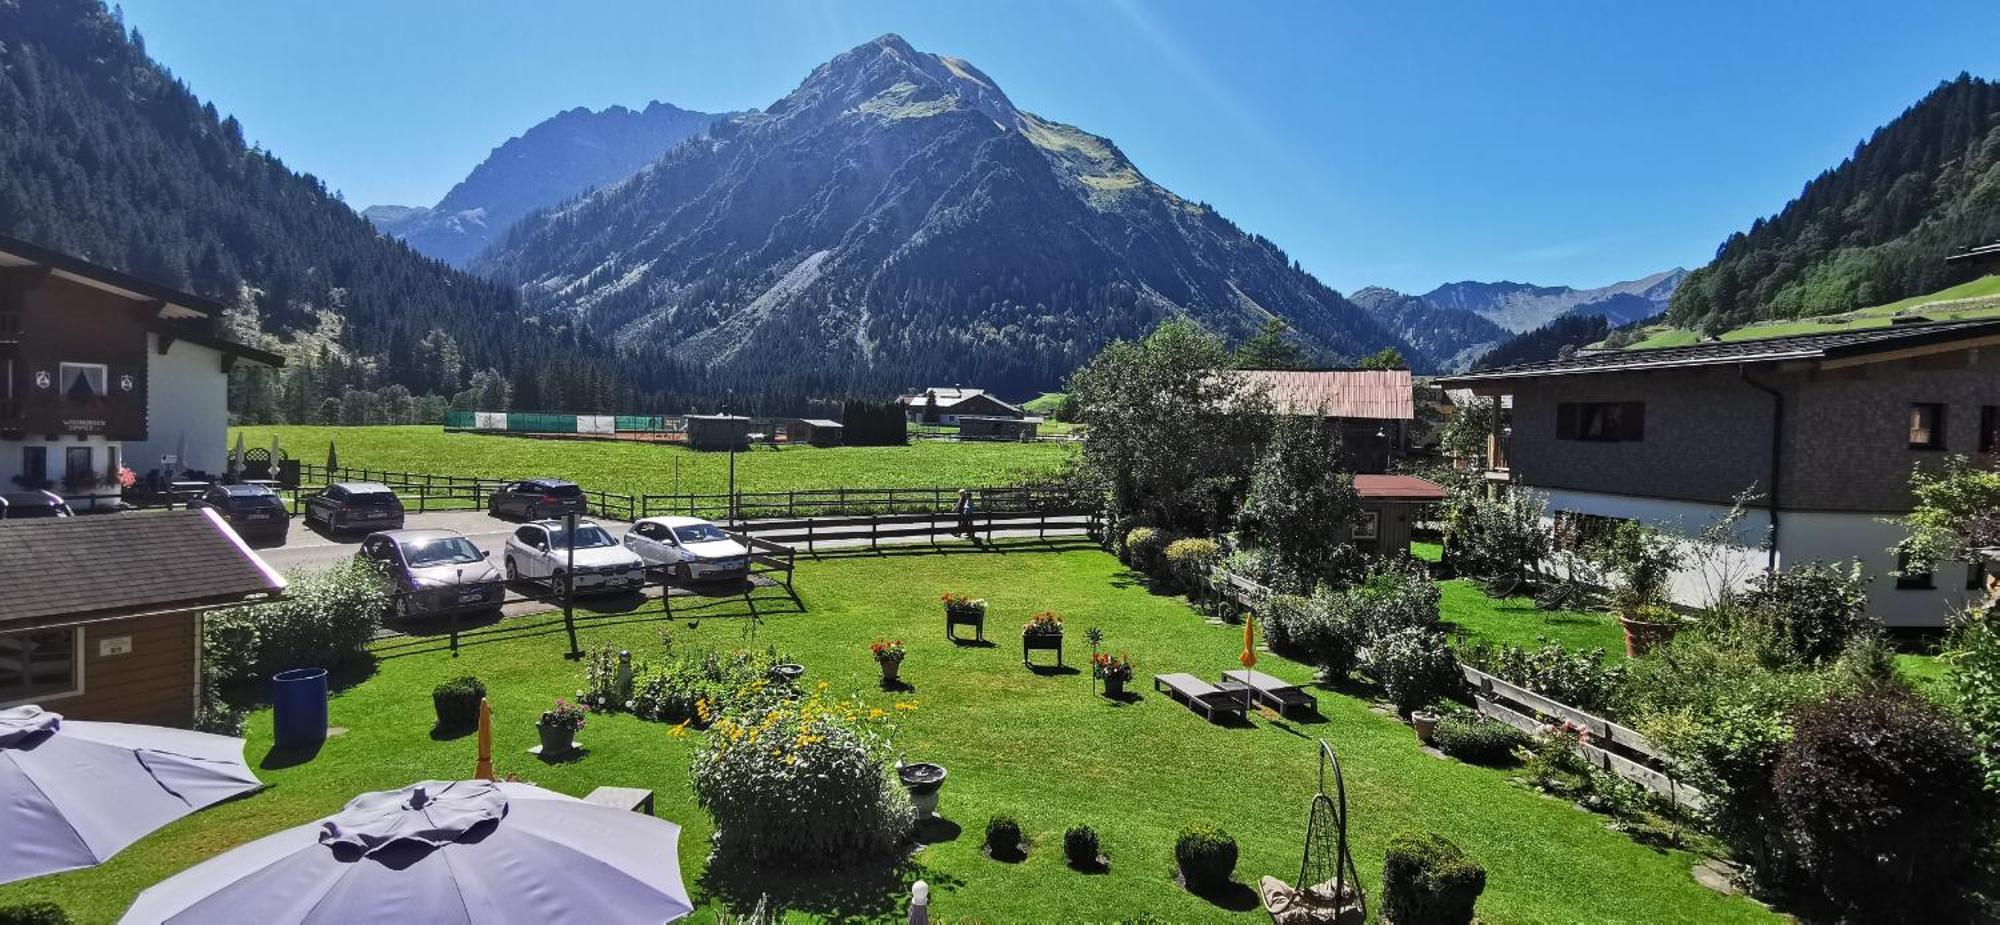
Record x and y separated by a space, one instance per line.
874 528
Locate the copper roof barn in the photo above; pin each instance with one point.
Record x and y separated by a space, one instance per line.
1376 394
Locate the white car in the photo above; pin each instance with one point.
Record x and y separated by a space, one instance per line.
690 548
540 551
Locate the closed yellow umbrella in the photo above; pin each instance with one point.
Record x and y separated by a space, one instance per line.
1249 656
485 769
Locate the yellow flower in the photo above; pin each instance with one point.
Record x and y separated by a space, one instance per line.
876 713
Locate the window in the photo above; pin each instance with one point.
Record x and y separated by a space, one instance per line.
76 465
532 536
1989 429
1368 525
1907 580
34 466
83 381
1575 530
39 664
1602 421
1927 426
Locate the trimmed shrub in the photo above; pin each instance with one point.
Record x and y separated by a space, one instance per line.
1188 560
34 914
1415 668
1080 846
1315 630
1003 837
1427 880
1477 739
327 618
1397 595
1206 857
1811 613
1581 679
807 782
1883 796
457 702
1145 548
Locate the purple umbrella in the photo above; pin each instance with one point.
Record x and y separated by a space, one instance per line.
440 852
75 793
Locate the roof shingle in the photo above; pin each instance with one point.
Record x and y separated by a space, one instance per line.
117 563
1380 394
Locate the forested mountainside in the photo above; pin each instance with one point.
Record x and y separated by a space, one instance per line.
564 156
1445 340
1547 342
1874 229
1523 307
107 156
897 221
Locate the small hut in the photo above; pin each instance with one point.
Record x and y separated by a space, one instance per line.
813 431
718 431
993 427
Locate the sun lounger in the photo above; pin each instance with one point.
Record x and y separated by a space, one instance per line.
1280 694
1200 696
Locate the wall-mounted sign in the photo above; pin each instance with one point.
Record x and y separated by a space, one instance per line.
82 425
43 380
116 645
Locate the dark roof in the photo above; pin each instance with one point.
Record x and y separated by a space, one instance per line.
820 422
1982 252
1829 346
105 277
115 564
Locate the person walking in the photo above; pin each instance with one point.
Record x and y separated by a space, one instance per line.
964 511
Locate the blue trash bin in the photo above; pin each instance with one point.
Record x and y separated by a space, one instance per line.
298 708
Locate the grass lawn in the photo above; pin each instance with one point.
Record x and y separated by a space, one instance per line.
643 468
1979 298
1469 613
1040 747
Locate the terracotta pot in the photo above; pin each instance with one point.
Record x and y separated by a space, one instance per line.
1425 723
1643 636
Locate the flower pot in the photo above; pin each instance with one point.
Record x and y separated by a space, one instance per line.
1425 723
1114 687
556 740
1643 636
890 670
924 780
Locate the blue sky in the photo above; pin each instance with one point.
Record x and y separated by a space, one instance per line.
1400 144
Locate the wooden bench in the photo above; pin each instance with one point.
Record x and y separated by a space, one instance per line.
1282 695
631 799
1199 696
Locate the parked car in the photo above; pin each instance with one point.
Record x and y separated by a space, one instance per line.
540 552
434 571
255 512
23 505
690 548
536 499
348 506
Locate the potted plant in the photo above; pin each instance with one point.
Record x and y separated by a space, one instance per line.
1113 670
964 610
558 727
1643 562
923 779
1425 722
1044 630
888 654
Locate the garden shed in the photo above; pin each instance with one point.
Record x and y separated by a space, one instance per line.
1389 507
813 431
718 431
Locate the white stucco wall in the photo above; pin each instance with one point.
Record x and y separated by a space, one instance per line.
187 395
1803 537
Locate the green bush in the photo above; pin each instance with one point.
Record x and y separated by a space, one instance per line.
1477 739
34 914
1975 685
1145 549
325 618
1188 560
1884 800
1313 630
1581 679
1427 880
1398 594
798 782
1080 846
694 688
1206 857
1003 837
457 702
1809 614
1415 668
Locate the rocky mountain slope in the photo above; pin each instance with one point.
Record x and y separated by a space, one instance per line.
1521 307
898 221
1445 340
562 157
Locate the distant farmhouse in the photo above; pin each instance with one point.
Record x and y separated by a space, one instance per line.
1369 409
1825 427
945 406
100 370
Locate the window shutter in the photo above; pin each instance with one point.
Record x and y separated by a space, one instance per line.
1566 421
1632 421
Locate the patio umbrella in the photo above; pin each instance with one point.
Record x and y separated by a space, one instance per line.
180 456
75 793
332 459
1249 656
236 457
440 852
484 769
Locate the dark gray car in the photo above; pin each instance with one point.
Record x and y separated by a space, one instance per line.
535 499
354 506
434 571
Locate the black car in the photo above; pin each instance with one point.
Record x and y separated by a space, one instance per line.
255 512
354 506
22 505
536 499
